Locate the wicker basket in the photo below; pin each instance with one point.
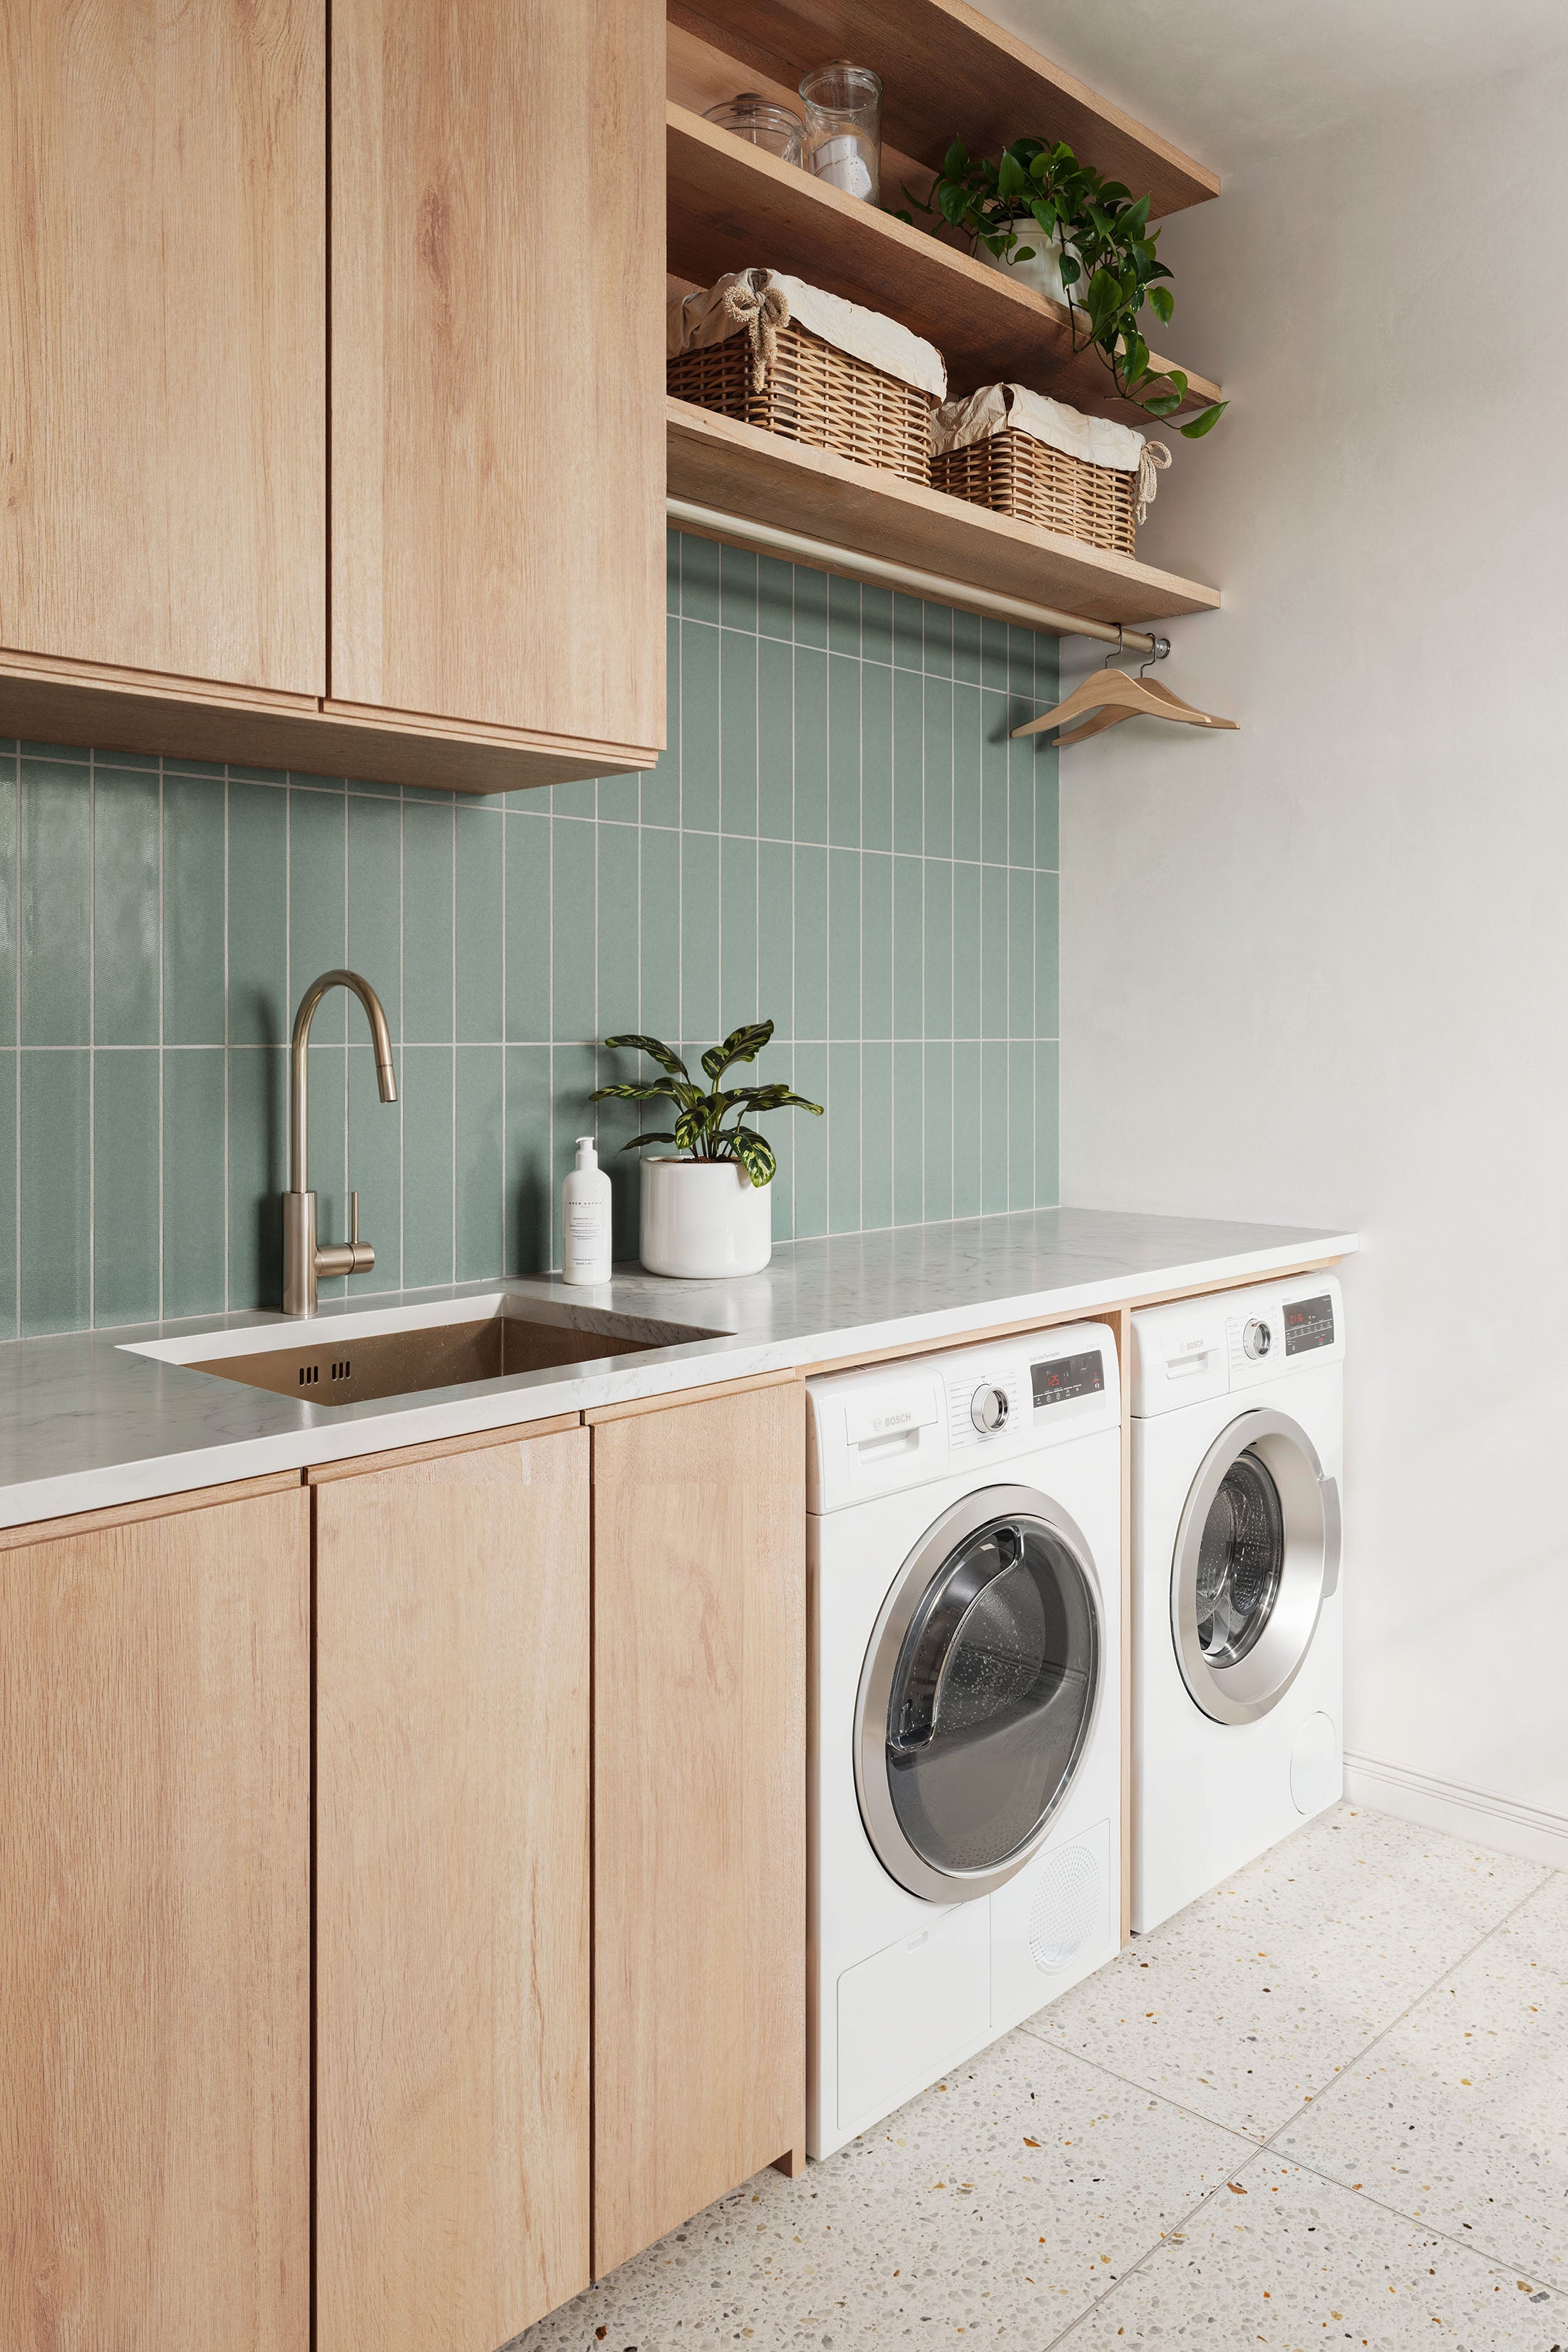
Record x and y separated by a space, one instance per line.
1014 474
815 393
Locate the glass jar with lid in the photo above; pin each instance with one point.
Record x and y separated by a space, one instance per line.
844 128
756 119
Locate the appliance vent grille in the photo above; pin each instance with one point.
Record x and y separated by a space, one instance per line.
1068 1909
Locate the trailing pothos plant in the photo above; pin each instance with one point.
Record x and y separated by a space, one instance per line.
700 1131
1109 266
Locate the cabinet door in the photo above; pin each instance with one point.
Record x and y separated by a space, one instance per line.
498 425
699 1807
154 1933
162 337
451 1896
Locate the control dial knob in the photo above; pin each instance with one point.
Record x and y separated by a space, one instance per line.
1256 1339
988 1410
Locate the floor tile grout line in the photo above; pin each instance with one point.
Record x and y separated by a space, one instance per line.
1197 2115
1465 2245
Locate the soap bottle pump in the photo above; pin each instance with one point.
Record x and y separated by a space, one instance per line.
585 1219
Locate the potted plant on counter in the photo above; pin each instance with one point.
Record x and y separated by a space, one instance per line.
706 1209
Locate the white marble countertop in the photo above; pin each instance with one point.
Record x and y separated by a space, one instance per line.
86 1420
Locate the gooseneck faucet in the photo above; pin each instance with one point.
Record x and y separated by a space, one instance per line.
305 1259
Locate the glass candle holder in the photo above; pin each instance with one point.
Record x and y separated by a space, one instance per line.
758 120
844 128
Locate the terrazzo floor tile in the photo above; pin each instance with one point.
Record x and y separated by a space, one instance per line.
1254 1998
1289 2260
1459 2116
997 2207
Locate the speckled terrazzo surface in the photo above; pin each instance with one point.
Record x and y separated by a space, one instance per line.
1326 2105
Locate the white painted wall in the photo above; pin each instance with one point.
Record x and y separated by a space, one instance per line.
1318 969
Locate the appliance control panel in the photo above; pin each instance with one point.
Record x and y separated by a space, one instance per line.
1235 1341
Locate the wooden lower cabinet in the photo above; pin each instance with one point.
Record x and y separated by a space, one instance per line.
699 1806
451 1817
154 1932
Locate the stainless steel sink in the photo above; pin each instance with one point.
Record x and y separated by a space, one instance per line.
325 1366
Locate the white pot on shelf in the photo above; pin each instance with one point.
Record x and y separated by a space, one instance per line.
704 1218
1043 273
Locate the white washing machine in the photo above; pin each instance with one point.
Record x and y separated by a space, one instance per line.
1236 1642
965 1755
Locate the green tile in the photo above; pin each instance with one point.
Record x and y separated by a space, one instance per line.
993 957
810 745
1021 663
774 1065
966 1134
993 1129
993 832
257 1172
527 925
809 1140
875 625
701 1010
1048 668
480 935
937 1131
9 1079
660 790
699 592
909 763
938 649
1021 1127
376 1169
843 1139
302 782
810 943
994 655
212 770
875 1137
966 647
194 911
257 775
10 796
876 947
1048 1171
573 1077
876 757
1020 954
843 752
909 947
810 608
737 984
55 1239
620 799
619 893
776 598
1048 957
939 950
909 1134
144 764
318 905
966 717
738 733
843 943
1021 803
580 798
909 633
615 1124
56 893
259 1009
375 905
966 950
480 1157
776 740
77 755
937 798
843 617
126 1136
527 1161
661 926
775 936
428 1165
672 571
738 589
125 910
428 846
701 787
574 930
1048 825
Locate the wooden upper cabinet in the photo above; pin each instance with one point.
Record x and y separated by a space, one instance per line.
162 427
497 302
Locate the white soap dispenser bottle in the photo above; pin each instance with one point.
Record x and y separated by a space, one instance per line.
585 1219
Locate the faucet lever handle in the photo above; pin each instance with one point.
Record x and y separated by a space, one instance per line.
353 1220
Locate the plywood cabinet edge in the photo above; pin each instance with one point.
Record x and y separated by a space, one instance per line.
157 1507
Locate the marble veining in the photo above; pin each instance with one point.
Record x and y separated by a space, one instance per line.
90 1418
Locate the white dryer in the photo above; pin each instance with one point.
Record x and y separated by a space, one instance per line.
1236 1647
964 1752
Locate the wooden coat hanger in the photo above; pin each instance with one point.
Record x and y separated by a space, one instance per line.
1113 696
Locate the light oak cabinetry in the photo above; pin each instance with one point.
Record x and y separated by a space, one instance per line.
451 1817
699 1806
154 1930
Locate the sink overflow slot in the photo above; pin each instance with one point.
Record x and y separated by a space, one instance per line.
309 1375
341 1371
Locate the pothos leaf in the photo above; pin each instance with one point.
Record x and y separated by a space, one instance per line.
1205 423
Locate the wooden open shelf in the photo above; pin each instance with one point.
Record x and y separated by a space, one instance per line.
732 206
946 69
763 478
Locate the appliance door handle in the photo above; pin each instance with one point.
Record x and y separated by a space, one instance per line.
1333 1535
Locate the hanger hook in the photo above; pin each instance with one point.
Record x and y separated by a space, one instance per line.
1118 649
1158 647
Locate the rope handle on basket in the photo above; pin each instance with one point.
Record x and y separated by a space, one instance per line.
1153 459
762 307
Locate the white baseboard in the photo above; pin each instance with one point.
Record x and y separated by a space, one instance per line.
1473 1814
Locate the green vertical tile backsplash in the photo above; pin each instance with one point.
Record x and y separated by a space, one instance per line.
840 837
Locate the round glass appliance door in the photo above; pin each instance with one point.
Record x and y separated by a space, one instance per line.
1241 1557
978 1693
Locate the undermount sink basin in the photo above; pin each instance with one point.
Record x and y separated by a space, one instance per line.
358 1358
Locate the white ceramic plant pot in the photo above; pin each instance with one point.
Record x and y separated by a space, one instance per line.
1042 274
704 1218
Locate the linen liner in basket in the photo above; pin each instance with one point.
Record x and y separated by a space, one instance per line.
1022 454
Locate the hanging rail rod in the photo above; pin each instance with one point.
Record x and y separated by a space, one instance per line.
739 531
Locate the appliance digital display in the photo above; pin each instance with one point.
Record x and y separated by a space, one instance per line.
1308 1323
1068 1375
